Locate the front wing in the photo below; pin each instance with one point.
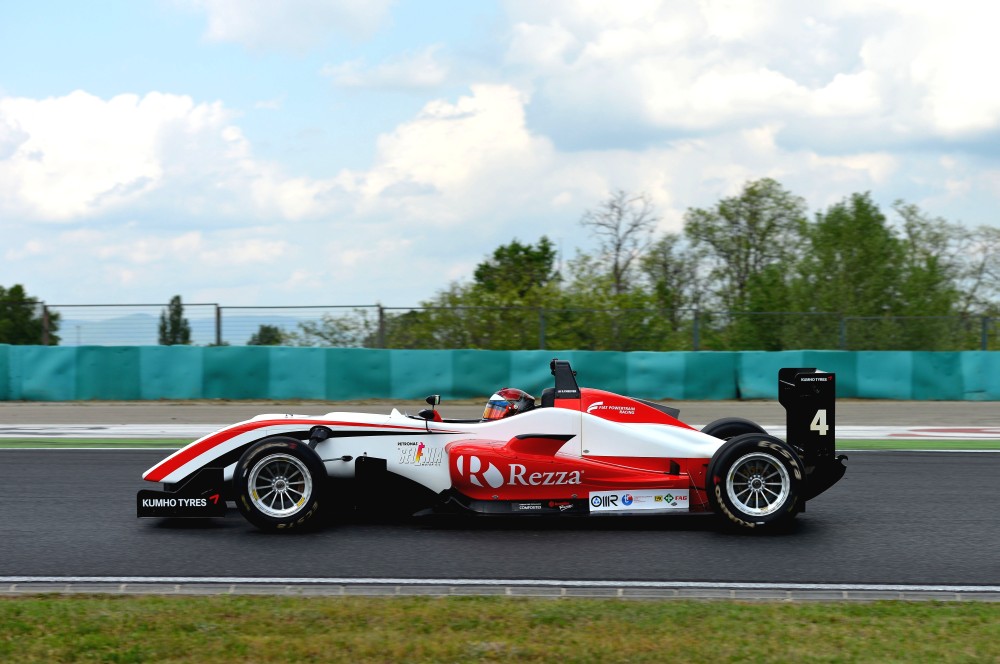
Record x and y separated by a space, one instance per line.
202 495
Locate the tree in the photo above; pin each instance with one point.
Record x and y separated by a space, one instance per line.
354 330
744 235
854 266
979 270
623 224
978 277
931 263
499 309
267 335
24 321
517 270
174 328
671 271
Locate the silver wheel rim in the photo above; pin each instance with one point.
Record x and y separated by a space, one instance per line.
279 485
758 484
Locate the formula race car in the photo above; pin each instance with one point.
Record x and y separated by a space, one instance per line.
577 452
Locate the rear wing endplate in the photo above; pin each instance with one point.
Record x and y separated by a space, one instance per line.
809 399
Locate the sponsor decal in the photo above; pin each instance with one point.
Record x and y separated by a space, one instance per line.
600 405
517 474
417 454
177 502
645 499
524 507
604 501
477 474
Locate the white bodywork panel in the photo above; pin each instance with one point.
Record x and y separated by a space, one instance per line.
415 448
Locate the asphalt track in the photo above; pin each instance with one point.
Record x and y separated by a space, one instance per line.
898 519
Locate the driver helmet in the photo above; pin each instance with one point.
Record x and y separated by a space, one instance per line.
506 402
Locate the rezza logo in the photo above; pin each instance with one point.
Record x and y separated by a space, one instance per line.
477 475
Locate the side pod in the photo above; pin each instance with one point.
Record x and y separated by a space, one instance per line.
809 399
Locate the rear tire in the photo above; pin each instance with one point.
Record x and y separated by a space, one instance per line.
755 481
730 427
280 484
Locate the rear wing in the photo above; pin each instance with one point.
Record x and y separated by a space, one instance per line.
809 399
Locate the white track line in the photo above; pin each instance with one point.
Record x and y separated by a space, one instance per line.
517 583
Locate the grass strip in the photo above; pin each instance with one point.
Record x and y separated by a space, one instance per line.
894 444
413 629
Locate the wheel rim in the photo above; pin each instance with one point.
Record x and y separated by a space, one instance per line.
279 485
758 484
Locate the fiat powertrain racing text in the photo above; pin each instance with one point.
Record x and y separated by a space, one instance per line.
577 452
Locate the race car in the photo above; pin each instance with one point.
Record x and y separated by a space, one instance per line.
576 452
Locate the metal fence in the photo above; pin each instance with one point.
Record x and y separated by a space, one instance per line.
516 328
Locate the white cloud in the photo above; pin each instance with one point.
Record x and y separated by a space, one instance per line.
542 47
159 158
79 155
293 25
206 217
408 71
449 142
877 72
937 58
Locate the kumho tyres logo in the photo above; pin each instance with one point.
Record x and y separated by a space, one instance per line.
600 405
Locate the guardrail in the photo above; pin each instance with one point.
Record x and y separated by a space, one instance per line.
53 373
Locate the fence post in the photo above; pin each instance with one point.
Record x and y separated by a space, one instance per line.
380 335
843 333
218 325
985 336
45 324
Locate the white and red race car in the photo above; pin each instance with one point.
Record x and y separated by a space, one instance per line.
579 452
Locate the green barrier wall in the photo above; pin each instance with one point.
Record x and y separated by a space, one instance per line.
44 373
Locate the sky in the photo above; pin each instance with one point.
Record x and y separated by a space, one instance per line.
350 152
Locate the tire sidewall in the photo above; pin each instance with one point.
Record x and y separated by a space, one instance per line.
734 450
300 520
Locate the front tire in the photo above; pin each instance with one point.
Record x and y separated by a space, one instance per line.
280 484
755 481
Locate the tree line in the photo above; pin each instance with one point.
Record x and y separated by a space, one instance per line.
754 271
